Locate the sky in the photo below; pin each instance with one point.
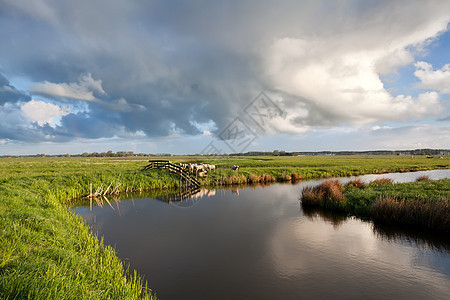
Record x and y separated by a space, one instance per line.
187 77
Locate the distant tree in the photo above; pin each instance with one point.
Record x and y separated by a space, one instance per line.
276 153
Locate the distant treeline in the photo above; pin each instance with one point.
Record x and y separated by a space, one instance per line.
375 152
94 154
429 152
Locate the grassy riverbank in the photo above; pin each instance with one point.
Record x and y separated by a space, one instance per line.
282 169
424 203
47 252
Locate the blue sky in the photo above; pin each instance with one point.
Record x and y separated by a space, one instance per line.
188 77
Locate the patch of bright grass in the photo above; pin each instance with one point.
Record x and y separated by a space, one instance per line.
47 252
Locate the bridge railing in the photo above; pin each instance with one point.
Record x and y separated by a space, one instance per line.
165 164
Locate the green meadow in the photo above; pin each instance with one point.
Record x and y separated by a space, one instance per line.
286 168
47 252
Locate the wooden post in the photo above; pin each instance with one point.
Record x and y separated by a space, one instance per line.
90 197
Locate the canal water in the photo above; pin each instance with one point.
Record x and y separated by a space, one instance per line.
258 243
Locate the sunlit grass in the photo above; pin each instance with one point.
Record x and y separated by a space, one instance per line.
47 252
310 167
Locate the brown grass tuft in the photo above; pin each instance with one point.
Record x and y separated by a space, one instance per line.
296 177
327 194
253 178
332 189
432 214
357 183
381 181
266 178
235 179
423 178
285 177
311 196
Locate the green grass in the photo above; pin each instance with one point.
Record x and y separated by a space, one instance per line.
47 252
281 168
423 203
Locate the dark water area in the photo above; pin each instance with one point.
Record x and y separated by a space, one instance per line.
258 242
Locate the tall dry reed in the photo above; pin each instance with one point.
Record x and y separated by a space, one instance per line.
381 181
423 178
328 194
357 183
432 214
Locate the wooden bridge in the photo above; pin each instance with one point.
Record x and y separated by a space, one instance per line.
189 180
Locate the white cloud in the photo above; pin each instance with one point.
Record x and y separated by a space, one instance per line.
374 137
340 76
438 80
206 128
43 113
378 127
84 89
285 125
408 137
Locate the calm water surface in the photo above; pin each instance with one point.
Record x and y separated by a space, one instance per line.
258 243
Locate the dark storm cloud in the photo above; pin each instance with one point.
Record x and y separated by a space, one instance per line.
163 66
149 56
9 93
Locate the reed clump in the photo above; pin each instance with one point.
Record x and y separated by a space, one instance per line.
264 178
422 203
433 215
253 178
285 177
311 197
357 183
296 177
423 178
328 194
235 179
381 181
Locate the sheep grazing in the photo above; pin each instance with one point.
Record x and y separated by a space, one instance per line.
199 167
196 168
235 168
202 174
183 166
210 167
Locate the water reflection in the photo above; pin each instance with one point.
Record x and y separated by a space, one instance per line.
334 218
415 236
186 198
393 233
176 197
257 242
